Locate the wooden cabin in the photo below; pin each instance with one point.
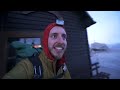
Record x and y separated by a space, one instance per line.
31 24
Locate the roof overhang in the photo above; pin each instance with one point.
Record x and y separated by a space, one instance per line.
86 19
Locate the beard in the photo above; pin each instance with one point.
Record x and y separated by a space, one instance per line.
58 50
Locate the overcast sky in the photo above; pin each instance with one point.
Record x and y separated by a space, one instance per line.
107 27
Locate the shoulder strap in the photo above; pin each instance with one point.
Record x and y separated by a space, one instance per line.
61 74
37 64
38 69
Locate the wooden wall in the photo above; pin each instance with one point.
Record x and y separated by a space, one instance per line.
33 24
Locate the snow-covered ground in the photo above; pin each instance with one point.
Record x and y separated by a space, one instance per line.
109 62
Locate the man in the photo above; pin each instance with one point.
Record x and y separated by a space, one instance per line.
52 57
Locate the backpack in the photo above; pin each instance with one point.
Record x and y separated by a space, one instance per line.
19 51
26 51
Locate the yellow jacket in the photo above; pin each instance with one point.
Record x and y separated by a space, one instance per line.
24 69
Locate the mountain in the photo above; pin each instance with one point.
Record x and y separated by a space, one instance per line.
99 46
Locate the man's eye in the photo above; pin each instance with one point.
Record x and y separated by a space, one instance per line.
54 36
64 36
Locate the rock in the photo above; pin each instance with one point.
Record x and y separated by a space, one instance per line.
99 47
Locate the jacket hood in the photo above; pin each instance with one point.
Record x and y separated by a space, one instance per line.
45 44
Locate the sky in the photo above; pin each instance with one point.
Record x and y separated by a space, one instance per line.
107 27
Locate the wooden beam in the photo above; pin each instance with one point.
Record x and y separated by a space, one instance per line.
21 34
3 54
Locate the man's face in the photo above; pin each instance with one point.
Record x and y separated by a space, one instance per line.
57 41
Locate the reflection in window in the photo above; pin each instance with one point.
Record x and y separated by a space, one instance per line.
30 40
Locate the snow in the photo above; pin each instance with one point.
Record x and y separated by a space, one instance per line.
109 62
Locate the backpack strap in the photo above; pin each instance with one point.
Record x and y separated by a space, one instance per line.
37 65
38 69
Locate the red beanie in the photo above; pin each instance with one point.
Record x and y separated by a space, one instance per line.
45 43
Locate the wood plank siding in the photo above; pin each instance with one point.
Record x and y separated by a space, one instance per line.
17 24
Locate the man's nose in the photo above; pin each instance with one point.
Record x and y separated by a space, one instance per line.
60 39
